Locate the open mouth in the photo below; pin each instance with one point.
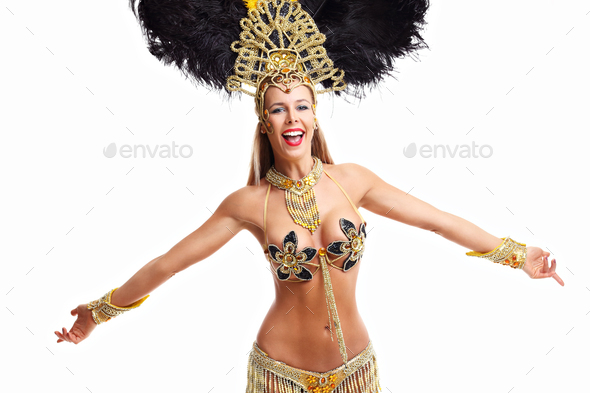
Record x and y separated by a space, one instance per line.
293 137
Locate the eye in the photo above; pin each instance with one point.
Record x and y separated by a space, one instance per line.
277 110
302 107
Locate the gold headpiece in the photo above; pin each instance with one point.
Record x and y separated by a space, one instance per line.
280 45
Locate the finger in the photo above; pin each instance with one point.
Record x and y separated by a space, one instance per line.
545 265
553 266
60 336
64 334
73 338
544 275
558 279
74 312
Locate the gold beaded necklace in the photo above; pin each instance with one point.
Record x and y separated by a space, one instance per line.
299 195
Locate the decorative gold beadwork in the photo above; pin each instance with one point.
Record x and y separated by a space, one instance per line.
360 374
299 195
103 310
509 253
280 45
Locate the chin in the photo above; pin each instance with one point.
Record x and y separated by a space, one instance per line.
297 152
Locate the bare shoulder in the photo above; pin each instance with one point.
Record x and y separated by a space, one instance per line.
242 203
351 174
355 179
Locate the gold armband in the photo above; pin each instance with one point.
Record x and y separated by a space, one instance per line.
103 310
508 253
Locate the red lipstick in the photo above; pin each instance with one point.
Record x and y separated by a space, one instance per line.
292 140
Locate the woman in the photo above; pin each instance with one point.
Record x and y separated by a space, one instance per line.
288 226
291 113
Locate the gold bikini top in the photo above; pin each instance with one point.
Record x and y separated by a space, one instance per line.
293 262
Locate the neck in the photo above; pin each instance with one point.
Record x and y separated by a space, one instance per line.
294 169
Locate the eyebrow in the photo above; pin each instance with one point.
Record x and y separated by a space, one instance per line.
281 103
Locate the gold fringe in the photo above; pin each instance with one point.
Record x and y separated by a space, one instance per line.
266 375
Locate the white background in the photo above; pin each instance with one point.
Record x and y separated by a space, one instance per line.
76 76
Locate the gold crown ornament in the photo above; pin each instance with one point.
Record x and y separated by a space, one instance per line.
281 46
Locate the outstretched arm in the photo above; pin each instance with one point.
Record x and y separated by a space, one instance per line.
198 245
386 200
210 237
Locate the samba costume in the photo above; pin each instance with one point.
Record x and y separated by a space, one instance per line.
361 371
249 46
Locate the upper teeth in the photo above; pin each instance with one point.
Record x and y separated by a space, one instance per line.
293 133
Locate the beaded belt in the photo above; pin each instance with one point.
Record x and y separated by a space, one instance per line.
287 377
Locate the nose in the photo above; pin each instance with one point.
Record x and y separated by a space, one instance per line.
292 117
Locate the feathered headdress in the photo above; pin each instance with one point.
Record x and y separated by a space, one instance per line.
233 45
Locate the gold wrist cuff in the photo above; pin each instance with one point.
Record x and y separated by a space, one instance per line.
508 253
103 310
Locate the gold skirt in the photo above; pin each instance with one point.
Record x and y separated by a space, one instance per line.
266 375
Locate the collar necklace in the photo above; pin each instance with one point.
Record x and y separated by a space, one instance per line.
299 195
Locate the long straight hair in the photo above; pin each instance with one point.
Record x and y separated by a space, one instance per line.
263 157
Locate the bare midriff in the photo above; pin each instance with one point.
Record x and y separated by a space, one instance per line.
295 331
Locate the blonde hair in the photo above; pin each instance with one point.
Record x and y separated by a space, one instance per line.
263 157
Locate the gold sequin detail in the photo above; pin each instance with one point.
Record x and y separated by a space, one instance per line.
103 310
280 42
295 31
299 195
508 253
331 304
360 374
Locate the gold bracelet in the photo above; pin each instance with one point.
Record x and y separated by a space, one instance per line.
508 253
103 310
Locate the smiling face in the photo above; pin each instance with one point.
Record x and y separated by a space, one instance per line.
291 117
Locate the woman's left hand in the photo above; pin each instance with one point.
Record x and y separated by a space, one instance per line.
536 265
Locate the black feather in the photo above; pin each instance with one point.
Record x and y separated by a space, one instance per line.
194 35
363 38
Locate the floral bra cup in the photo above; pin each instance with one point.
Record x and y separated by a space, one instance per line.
294 263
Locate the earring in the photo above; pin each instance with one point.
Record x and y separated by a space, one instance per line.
269 128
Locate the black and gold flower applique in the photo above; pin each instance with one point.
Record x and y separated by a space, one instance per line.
355 245
291 261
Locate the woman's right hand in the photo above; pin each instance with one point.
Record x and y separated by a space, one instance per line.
81 329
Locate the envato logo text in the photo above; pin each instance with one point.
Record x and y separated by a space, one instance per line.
463 151
162 151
